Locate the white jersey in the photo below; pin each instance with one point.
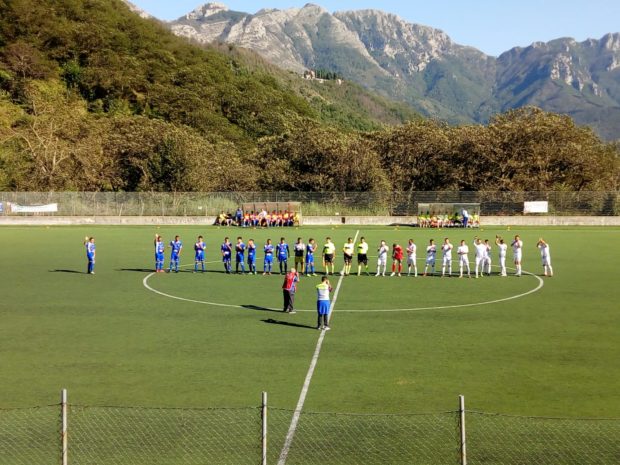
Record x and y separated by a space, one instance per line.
411 250
502 250
481 250
431 252
487 251
545 254
447 251
517 246
348 249
463 250
383 252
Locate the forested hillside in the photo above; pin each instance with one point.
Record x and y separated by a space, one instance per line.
93 97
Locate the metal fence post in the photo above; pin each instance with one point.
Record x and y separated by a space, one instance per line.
264 422
462 430
63 436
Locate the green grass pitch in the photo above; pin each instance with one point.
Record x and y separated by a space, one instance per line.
111 341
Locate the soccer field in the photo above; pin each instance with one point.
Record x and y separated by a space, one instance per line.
526 346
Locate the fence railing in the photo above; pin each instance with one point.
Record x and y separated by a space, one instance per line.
313 203
238 436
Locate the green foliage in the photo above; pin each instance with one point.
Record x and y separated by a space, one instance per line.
96 98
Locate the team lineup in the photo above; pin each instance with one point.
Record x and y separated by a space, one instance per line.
304 256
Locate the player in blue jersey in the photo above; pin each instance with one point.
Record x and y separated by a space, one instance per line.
227 255
268 263
176 245
252 256
283 252
310 249
89 243
199 254
240 255
159 254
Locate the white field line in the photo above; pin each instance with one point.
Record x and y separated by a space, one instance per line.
304 390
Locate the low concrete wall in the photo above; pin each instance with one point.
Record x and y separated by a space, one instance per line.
105 220
307 221
551 220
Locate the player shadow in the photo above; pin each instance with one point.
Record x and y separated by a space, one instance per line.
138 270
262 309
68 271
287 323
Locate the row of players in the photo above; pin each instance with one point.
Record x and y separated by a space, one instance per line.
304 255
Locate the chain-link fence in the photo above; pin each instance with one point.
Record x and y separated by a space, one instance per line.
313 203
160 436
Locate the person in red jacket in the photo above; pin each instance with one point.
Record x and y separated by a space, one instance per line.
288 290
397 259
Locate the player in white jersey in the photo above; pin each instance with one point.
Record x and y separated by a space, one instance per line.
487 257
503 248
446 250
517 253
481 250
431 254
463 253
412 258
382 258
545 255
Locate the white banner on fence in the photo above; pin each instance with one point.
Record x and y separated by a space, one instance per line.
535 207
49 208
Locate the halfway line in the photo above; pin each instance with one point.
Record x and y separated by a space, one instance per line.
304 391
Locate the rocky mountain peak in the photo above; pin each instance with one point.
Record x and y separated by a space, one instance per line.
206 10
139 11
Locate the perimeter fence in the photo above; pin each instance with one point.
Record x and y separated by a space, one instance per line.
313 203
256 435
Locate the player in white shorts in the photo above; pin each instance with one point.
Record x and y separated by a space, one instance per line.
487 257
431 254
517 253
463 253
481 250
446 250
503 248
545 255
411 258
382 258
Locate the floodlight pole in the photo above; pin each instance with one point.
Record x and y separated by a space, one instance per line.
264 421
462 429
63 436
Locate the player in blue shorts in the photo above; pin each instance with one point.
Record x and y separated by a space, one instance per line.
159 254
310 249
199 257
283 252
252 256
89 243
268 263
176 245
227 255
240 255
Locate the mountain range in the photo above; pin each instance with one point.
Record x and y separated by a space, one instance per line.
422 66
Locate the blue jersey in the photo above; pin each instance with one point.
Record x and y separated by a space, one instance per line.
269 252
176 247
159 247
90 249
251 252
282 250
226 251
309 253
240 249
199 247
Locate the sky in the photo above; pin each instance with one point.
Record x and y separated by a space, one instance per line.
493 26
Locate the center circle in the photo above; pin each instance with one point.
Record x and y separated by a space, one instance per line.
538 285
